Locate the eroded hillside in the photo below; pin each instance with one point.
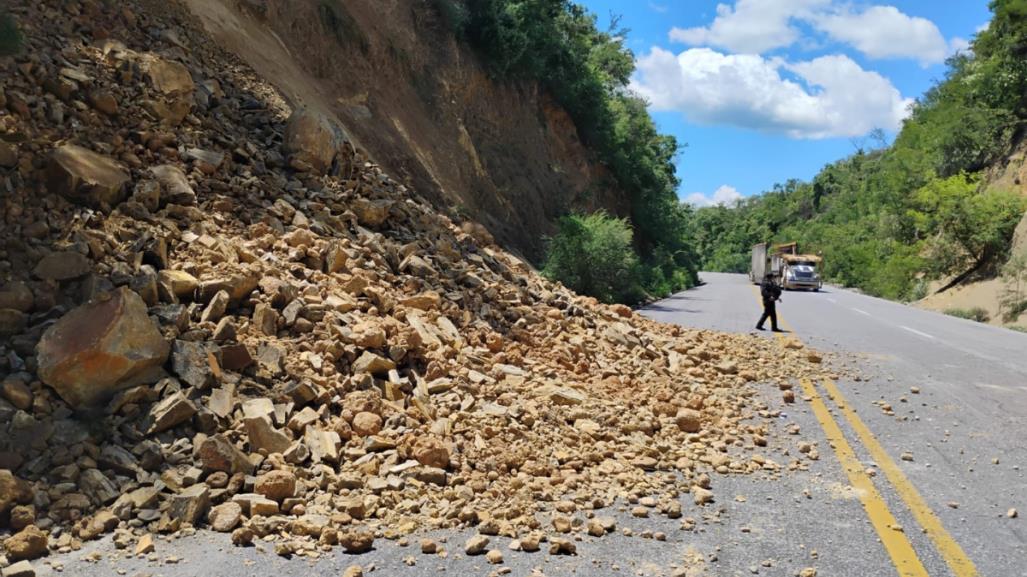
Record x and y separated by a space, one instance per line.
421 105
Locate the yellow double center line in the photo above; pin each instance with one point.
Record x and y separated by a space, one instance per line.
895 542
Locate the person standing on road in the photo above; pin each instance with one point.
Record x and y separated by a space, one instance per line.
771 294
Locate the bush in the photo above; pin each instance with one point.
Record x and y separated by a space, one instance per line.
593 255
10 35
975 314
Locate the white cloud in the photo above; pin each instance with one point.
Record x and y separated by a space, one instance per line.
759 26
832 96
958 44
885 32
659 8
751 26
723 196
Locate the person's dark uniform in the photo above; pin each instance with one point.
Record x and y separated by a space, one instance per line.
771 293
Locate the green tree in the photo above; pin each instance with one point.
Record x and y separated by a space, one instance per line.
593 255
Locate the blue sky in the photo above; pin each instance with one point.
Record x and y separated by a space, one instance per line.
766 90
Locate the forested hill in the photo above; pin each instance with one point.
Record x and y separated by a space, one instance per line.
892 219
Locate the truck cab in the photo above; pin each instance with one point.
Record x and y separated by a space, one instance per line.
800 271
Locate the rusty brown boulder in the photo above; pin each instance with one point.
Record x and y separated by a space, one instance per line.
85 177
102 347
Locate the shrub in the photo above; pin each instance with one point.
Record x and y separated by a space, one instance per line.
974 314
593 255
10 35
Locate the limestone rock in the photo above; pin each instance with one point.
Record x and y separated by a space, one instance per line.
373 364
476 545
225 517
264 436
219 454
276 485
19 569
312 140
355 541
431 452
175 187
366 424
191 504
29 544
171 412
688 420
99 348
61 266
12 491
177 283
175 88
83 176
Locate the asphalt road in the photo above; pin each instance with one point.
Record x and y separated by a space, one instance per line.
964 430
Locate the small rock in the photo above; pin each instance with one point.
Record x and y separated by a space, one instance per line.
476 545
225 517
494 557
145 545
276 485
560 546
366 424
243 537
62 266
688 420
356 541
19 569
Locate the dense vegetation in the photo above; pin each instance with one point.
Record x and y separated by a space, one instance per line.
890 219
557 44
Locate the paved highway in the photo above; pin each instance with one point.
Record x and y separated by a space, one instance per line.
859 511
950 459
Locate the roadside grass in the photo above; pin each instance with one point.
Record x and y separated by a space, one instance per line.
974 314
1017 328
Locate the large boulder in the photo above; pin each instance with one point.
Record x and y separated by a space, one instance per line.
100 348
172 81
312 141
85 177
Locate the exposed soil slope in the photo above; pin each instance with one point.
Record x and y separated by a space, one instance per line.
423 107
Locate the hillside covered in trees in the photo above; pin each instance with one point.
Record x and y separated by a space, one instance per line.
897 221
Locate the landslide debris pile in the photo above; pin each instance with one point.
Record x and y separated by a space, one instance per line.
215 312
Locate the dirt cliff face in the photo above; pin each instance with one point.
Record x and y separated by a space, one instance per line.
420 104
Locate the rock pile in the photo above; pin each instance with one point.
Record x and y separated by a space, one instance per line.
215 315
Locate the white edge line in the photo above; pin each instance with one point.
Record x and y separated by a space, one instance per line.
916 332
